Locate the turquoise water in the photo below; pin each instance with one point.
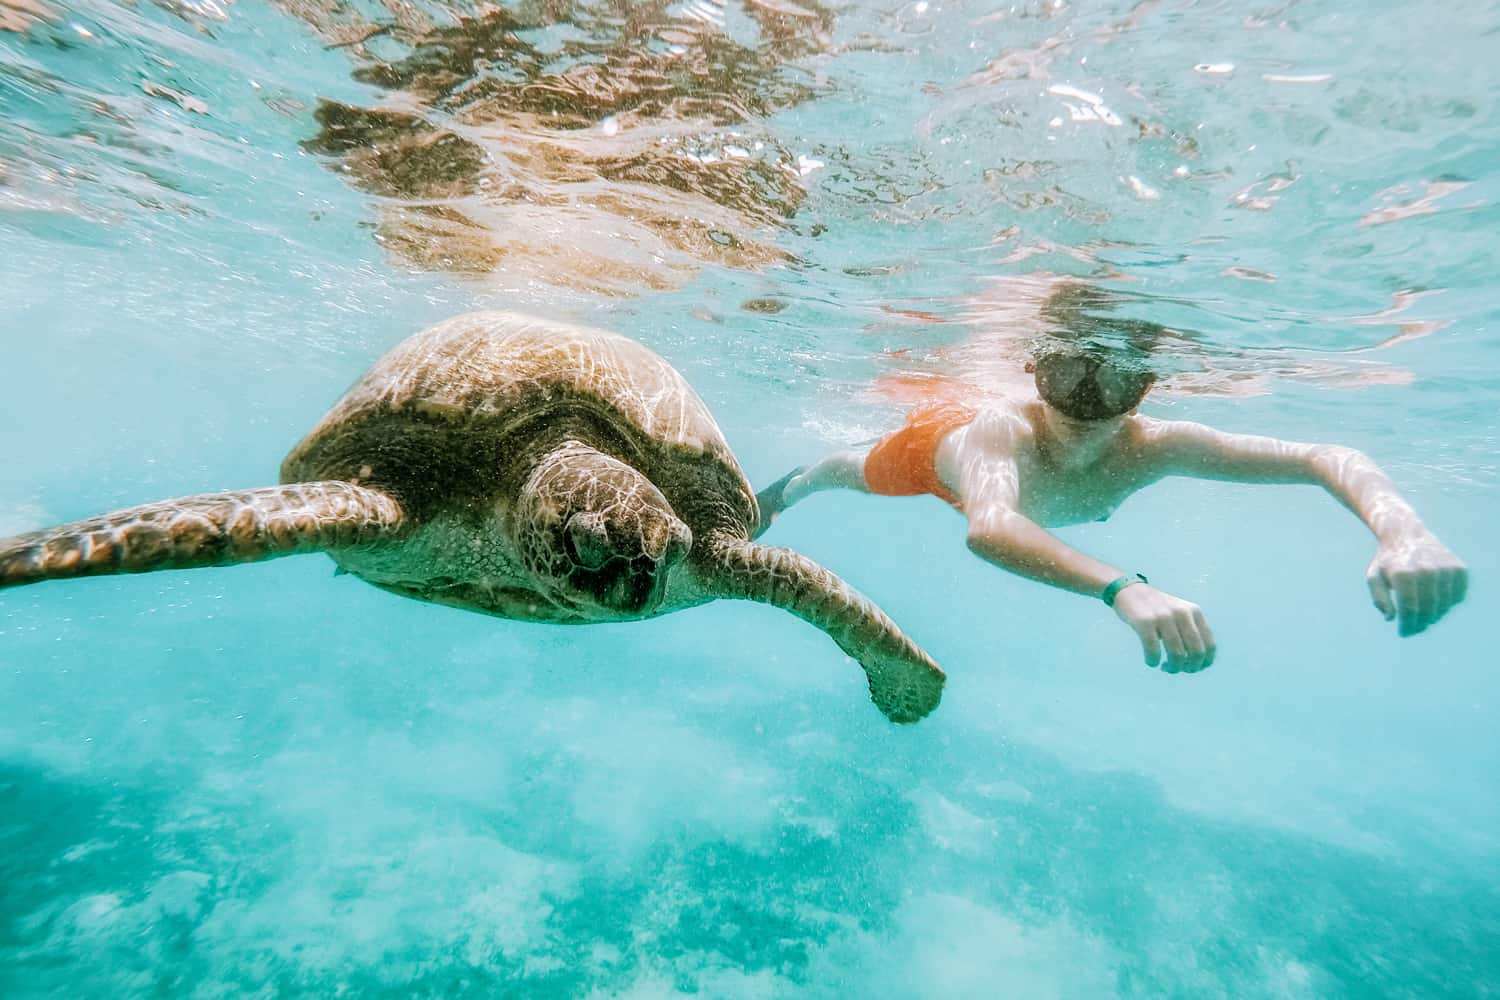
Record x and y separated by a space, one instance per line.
267 781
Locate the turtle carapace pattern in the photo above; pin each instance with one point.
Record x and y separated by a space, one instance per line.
516 466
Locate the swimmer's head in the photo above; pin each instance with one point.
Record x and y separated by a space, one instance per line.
1090 363
1089 384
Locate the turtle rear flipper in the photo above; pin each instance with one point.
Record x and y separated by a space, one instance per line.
905 683
210 529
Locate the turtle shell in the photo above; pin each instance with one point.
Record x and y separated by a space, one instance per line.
452 410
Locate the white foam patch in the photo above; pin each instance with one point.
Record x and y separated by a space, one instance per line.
99 921
709 979
642 775
833 429
629 774
393 858
1246 783
951 827
950 946
468 895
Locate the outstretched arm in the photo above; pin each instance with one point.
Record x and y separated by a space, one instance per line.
1000 534
841 470
1413 576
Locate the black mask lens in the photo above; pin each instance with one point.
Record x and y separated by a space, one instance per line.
1086 388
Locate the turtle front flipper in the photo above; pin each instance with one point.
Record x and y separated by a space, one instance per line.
210 529
905 683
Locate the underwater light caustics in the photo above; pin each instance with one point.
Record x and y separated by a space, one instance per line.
621 159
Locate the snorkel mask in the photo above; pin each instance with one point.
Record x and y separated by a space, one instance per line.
1086 385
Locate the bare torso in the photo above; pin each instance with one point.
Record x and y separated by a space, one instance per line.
1051 481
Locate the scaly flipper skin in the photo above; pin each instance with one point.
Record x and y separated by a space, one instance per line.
211 529
905 683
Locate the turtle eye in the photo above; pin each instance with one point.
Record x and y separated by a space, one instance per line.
586 541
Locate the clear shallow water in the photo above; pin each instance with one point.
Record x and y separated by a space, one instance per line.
264 780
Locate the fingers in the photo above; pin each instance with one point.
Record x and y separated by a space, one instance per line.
1410 610
1418 579
1380 593
1447 587
1210 647
1171 638
1176 636
1451 585
1194 646
1150 646
1431 589
772 499
1455 586
1416 596
1423 598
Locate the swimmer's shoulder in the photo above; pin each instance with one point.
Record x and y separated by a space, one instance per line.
1159 443
1002 425
1154 433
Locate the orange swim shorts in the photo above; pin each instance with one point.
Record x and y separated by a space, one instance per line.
904 462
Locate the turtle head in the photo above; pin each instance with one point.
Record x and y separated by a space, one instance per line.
596 535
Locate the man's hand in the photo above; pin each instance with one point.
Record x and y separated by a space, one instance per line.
773 499
1162 620
1416 580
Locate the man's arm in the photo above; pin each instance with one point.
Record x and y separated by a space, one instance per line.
841 470
1413 575
1000 534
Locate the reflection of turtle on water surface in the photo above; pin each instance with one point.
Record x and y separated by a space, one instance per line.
514 466
603 145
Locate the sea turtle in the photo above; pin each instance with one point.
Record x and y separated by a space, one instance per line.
515 466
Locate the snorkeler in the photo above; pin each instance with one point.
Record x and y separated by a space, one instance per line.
1078 449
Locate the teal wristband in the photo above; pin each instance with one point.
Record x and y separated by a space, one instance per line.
1119 584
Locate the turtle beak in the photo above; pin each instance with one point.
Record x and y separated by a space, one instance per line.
627 576
633 587
639 589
